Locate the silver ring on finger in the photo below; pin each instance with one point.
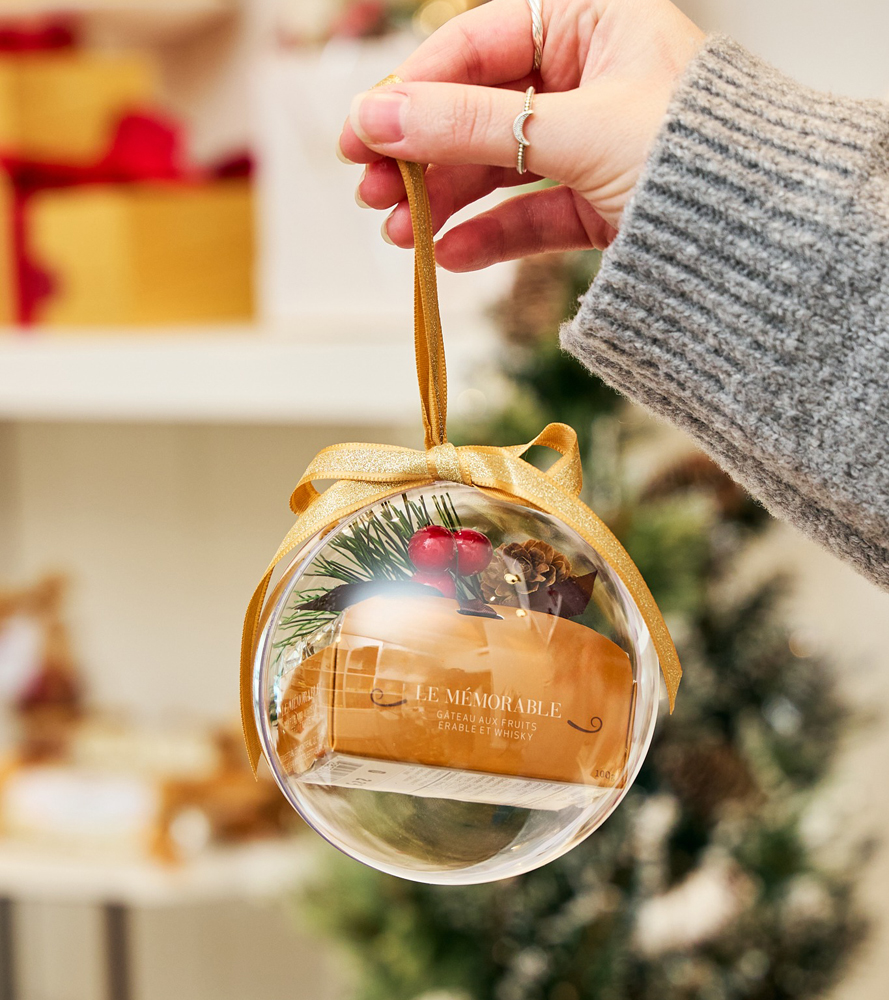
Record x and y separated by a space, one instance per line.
537 31
518 129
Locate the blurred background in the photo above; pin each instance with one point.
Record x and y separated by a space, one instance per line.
192 306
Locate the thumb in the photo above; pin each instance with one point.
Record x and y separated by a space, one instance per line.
449 123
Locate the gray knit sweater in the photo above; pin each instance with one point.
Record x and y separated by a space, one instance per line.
746 297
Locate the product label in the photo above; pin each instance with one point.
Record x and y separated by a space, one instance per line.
444 783
540 701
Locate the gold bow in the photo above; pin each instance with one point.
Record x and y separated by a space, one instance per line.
366 473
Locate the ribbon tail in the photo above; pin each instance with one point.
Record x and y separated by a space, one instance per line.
577 515
248 644
567 470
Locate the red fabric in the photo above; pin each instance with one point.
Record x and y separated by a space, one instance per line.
52 686
145 147
238 165
361 19
34 283
37 34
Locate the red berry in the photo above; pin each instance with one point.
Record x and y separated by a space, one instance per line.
444 583
474 551
432 549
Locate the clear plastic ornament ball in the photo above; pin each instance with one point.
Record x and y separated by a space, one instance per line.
453 688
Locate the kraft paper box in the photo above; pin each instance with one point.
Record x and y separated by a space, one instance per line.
549 699
145 253
64 107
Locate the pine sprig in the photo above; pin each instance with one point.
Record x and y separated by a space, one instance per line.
301 625
374 548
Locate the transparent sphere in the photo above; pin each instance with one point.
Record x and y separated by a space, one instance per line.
453 688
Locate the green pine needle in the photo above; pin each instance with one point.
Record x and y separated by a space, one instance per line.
375 547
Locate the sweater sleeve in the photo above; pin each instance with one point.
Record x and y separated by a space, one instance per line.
746 297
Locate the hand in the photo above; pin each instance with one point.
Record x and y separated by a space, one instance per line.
608 71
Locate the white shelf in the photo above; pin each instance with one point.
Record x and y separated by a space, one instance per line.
323 375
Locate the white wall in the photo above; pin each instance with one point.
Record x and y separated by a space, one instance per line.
843 47
8 503
166 530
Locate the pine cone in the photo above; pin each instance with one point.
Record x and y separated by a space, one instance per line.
522 568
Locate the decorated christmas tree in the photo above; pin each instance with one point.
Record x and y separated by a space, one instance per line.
705 884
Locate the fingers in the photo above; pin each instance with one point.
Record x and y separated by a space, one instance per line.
450 190
488 45
449 124
352 150
539 222
381 185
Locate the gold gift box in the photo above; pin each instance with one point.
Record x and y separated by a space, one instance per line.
8 276
145 253
64 107
530 695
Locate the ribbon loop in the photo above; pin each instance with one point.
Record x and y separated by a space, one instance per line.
363 474
567 470
428 339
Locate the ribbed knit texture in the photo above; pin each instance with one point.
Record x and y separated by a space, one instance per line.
746 297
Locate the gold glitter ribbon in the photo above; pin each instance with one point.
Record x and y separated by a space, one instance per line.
363 474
